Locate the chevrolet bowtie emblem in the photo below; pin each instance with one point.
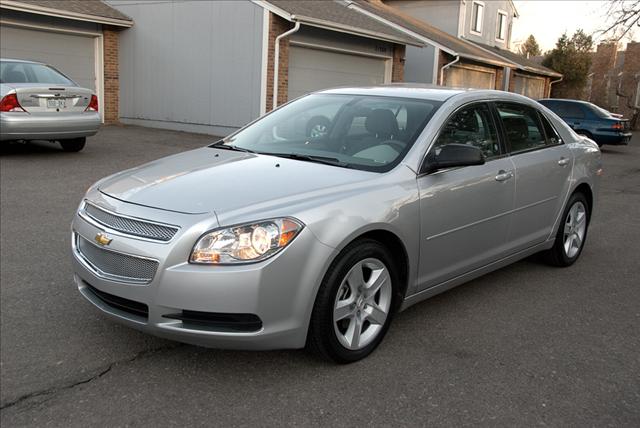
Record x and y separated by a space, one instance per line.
103 239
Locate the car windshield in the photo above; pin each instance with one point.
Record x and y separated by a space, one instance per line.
370 133
25 72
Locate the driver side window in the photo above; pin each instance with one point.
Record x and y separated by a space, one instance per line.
471 125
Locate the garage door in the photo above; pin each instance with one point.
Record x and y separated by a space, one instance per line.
314 69
462 77
74 55
529 86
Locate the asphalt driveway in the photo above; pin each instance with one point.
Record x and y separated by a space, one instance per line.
526 345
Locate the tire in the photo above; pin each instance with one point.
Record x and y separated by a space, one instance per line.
73 145
318 127
343 293
565 253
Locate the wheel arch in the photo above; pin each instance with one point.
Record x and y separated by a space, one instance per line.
586 190
396 246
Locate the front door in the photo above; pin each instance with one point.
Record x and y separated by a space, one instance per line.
465 212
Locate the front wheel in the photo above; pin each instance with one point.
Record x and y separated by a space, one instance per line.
73 145
572 232
355 303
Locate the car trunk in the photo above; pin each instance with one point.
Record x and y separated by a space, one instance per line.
52 99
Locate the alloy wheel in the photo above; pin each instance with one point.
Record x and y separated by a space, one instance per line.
574 229
362 304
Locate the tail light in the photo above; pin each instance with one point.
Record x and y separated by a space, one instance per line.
617 126
93 104
10 103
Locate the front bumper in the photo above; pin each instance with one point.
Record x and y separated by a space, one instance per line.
279 291
48 126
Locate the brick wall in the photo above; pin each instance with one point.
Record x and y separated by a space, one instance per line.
397 72
603 60
628 85
111 75
277 26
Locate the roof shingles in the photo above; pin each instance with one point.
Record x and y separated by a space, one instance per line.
86 7
338 12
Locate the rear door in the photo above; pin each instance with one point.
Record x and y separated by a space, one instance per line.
464 212
543 165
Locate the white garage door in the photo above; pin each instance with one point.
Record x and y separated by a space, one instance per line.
531 87
314 69
74 55
462 77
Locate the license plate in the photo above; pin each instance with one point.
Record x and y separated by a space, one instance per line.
57 104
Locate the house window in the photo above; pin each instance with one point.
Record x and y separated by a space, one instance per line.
501 29
477 16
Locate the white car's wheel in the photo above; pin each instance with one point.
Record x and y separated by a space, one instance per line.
73 145
355 303
572 232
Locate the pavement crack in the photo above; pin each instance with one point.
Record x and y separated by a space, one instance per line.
57 389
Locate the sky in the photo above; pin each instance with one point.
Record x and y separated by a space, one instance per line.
548 19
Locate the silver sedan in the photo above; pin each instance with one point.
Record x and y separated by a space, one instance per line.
286 234
37 102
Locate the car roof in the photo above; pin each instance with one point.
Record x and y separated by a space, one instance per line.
565 100
424 91
20 60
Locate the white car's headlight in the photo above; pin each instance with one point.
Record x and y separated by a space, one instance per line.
251 242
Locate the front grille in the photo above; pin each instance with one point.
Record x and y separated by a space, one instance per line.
125 305
130 226
117 266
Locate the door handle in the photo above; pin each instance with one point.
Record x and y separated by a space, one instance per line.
563 161
504 175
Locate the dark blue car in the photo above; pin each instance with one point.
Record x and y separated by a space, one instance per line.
590 120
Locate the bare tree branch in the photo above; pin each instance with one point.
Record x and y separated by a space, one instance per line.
622 16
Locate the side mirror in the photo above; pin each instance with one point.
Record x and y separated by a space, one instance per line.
453 155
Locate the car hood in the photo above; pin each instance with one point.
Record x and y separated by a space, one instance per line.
216 180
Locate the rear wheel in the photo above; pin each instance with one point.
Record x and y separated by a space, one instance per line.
355 303
73 145
572 232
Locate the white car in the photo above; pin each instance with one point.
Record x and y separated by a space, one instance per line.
37 102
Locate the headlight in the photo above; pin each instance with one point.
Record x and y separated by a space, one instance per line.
245 243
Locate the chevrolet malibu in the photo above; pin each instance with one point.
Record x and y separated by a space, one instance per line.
285 235
37 102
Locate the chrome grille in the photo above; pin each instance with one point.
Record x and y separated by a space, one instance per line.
113 265
130 226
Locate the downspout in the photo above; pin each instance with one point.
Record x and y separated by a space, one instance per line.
276 60
552 82
444 67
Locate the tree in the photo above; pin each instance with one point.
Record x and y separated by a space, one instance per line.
621 17
571 57
530 47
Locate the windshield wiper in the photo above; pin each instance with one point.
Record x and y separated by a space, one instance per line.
221 145
311 158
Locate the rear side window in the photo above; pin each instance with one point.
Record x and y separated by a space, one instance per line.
552 135
522 127
573 110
